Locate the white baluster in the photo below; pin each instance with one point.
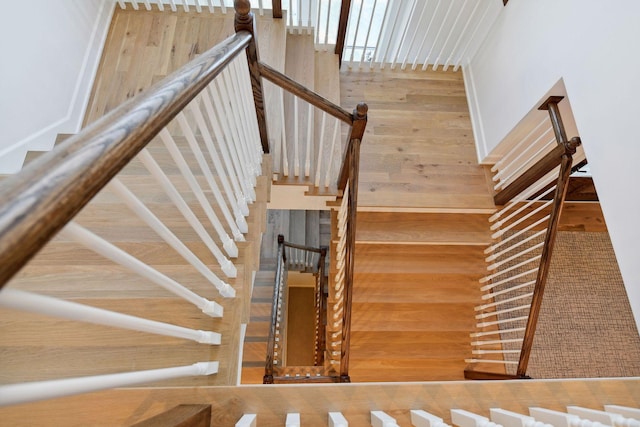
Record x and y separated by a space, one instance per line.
100 246
309 149
283 125
147 5
375 49
481 325
326 29
508 279
355 37
404 35
234 176
334 141
223 5
226 265
560 419
426 34
296 138
226 175
229 245
173 194
511 268
160 5
212 8
435 40
463 418
121 4
134 3
451 32
414 35
40 304
625 411
247 420
461 36
163 231
381 419
366 40
320 150
513 419
293 420
388 44
521 147
603 417
14 394
173 5
336 419
515 245
185 5
472 37
420 418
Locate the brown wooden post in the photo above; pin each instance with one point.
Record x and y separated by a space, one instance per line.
353 156
342 28
245 21
551 104
277 8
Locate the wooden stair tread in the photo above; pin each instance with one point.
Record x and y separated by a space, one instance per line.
423 228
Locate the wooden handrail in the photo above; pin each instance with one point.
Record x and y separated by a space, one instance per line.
542 167
547 251
48 193
321 314
271 341
345 8
470 374
279 79
302 247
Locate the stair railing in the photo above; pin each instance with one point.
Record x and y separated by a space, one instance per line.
204 111
293 257
531 190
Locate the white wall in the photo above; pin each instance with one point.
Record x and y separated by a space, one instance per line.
593 46
50 52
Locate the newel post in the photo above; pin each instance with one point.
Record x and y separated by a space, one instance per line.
350 171
244 21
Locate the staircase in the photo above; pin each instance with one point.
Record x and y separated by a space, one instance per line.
309 228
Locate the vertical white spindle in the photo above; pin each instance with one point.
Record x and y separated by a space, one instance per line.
160 5
211 5
173 5
185 5
401 45
615 420
326 29
310 141
248 193
134 4
625 411
393 30
463 418
452 29
283 125
162 230
319 22
381 419
223 6
513 419
239 206
14 394
100 246
122 5
320 150
561 419
227 266
260 8
435 40
296 138
229 245
293 420
309 21
40 304
147 5
173 194
420 418
233 141
299 11
471 37
334 141
336 419
382 27
413 37
247 420
366 40
461 36
355 37
426 34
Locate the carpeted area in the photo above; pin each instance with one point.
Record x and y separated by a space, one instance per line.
586 328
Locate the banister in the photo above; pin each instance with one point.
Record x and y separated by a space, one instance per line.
271 340
342 28
542 167
43 197
547 251
303 247
279 79
355 133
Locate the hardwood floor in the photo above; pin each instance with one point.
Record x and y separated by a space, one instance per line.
418 151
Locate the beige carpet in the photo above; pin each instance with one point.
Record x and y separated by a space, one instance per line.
585 328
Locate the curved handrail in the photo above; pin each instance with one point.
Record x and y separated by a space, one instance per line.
43 197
